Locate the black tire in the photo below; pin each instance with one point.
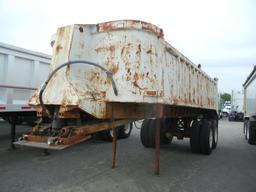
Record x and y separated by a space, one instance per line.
206 137
125 131
165 125
195 137
251 131
215 133
100 135
148 133
145 133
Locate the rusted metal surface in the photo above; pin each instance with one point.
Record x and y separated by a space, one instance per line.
42 145
145 68
71 135
129 25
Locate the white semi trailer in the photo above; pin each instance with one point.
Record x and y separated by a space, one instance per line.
250 107
105 76
21 72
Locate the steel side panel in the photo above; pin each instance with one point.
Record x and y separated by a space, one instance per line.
21 72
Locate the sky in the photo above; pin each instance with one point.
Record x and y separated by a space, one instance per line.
218 34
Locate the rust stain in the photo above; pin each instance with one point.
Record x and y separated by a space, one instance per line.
128 74
94 75
58 49
98 49
122 51
103 94
61 31
114 69
201 101
128 78
175 101
67 70
136 85
149 51
136 76
151 93
103 112
185 100
139 49
106 26
110 48
82 45
129 24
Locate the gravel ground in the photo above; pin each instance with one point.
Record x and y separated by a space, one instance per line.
87 166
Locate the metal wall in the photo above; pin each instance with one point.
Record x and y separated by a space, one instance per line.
145 67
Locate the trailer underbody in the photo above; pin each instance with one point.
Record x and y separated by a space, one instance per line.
163 122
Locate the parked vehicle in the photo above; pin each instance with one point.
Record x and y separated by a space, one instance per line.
236 116
107 75
237 106
226 110
250 107
21 72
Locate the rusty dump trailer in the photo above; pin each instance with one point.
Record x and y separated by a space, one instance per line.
110 74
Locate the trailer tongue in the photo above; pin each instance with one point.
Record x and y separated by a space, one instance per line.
130 73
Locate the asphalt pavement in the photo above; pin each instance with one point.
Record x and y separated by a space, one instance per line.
87 166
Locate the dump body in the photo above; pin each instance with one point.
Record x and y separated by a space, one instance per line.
250 95
21 73
238 101
145 68
250 108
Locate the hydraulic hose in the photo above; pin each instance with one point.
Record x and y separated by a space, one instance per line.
109 75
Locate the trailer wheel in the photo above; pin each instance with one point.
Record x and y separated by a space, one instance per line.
145 133
215 133
125 131
195 137
206 137
148 133
251 132
100 135
166 136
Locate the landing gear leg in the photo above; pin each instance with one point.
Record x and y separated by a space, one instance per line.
13 119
